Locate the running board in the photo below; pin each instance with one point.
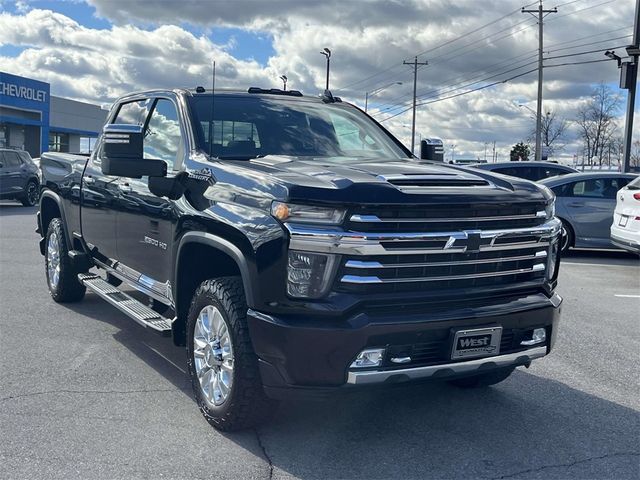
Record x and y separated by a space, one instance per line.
139 312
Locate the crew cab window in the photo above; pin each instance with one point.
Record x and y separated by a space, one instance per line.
231 136
162 137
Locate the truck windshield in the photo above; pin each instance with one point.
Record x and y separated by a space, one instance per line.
249 127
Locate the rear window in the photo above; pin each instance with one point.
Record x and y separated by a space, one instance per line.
634 184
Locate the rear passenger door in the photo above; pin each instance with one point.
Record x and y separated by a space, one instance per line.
101 199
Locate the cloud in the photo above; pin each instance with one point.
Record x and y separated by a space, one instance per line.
152 44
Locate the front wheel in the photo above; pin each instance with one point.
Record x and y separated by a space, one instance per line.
62 278
220 359
483 379
31 194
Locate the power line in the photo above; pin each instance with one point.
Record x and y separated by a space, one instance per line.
448 42
459 94
584 53
579 63
462 84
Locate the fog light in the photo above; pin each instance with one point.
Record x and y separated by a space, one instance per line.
539 335
371 357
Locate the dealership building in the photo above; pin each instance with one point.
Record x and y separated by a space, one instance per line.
33 120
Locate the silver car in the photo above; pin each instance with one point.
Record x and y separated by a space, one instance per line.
585 203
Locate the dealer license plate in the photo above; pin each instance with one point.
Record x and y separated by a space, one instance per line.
479 342
623 221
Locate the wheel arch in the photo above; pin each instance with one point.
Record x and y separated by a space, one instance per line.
50 208
199 257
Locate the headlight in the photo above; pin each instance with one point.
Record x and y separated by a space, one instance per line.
306 213
309 274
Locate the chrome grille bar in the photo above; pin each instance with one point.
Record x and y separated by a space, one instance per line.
359 264
372 279
376 219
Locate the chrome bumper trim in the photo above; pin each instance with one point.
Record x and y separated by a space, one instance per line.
471 366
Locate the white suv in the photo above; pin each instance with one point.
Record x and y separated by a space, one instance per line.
625 229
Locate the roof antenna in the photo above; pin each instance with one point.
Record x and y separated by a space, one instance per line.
213 90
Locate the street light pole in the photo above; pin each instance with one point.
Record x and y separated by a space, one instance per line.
377 90
327 53
284 82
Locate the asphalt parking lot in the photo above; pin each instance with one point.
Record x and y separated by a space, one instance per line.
87 393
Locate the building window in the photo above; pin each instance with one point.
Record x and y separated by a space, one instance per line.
59 142
87 144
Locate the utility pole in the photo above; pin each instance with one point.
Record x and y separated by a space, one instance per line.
634 53
541 14
495 157
415 64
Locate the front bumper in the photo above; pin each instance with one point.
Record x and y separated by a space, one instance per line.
312 355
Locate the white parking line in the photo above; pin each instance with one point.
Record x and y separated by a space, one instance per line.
627 296
596 264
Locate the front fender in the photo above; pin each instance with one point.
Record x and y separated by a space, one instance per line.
247 270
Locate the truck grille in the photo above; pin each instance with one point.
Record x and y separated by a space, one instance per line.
471 250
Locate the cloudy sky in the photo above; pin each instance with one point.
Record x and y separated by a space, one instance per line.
99 49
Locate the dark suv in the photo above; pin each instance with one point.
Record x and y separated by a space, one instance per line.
18 177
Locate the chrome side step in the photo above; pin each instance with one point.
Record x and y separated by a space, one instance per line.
139 312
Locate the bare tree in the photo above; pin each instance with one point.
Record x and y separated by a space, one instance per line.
597 122
635 154
554 129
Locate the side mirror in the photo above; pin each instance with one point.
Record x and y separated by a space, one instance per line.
122 153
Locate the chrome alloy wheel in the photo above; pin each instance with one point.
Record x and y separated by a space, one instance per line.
53 260
213 355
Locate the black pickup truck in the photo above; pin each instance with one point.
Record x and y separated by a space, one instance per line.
296 247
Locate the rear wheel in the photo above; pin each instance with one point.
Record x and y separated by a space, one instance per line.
31 194
483 379
62 278
220 358
567 238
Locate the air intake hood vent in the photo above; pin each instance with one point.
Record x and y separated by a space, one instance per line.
411 181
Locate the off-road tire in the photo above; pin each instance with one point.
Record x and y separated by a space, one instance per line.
68 288
483 379
31 194
247 405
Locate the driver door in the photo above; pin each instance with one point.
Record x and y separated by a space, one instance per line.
146 222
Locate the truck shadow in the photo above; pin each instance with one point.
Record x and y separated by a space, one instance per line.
527 427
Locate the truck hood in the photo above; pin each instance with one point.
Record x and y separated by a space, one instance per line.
380 181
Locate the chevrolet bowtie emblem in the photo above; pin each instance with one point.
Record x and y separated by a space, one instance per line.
473 242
